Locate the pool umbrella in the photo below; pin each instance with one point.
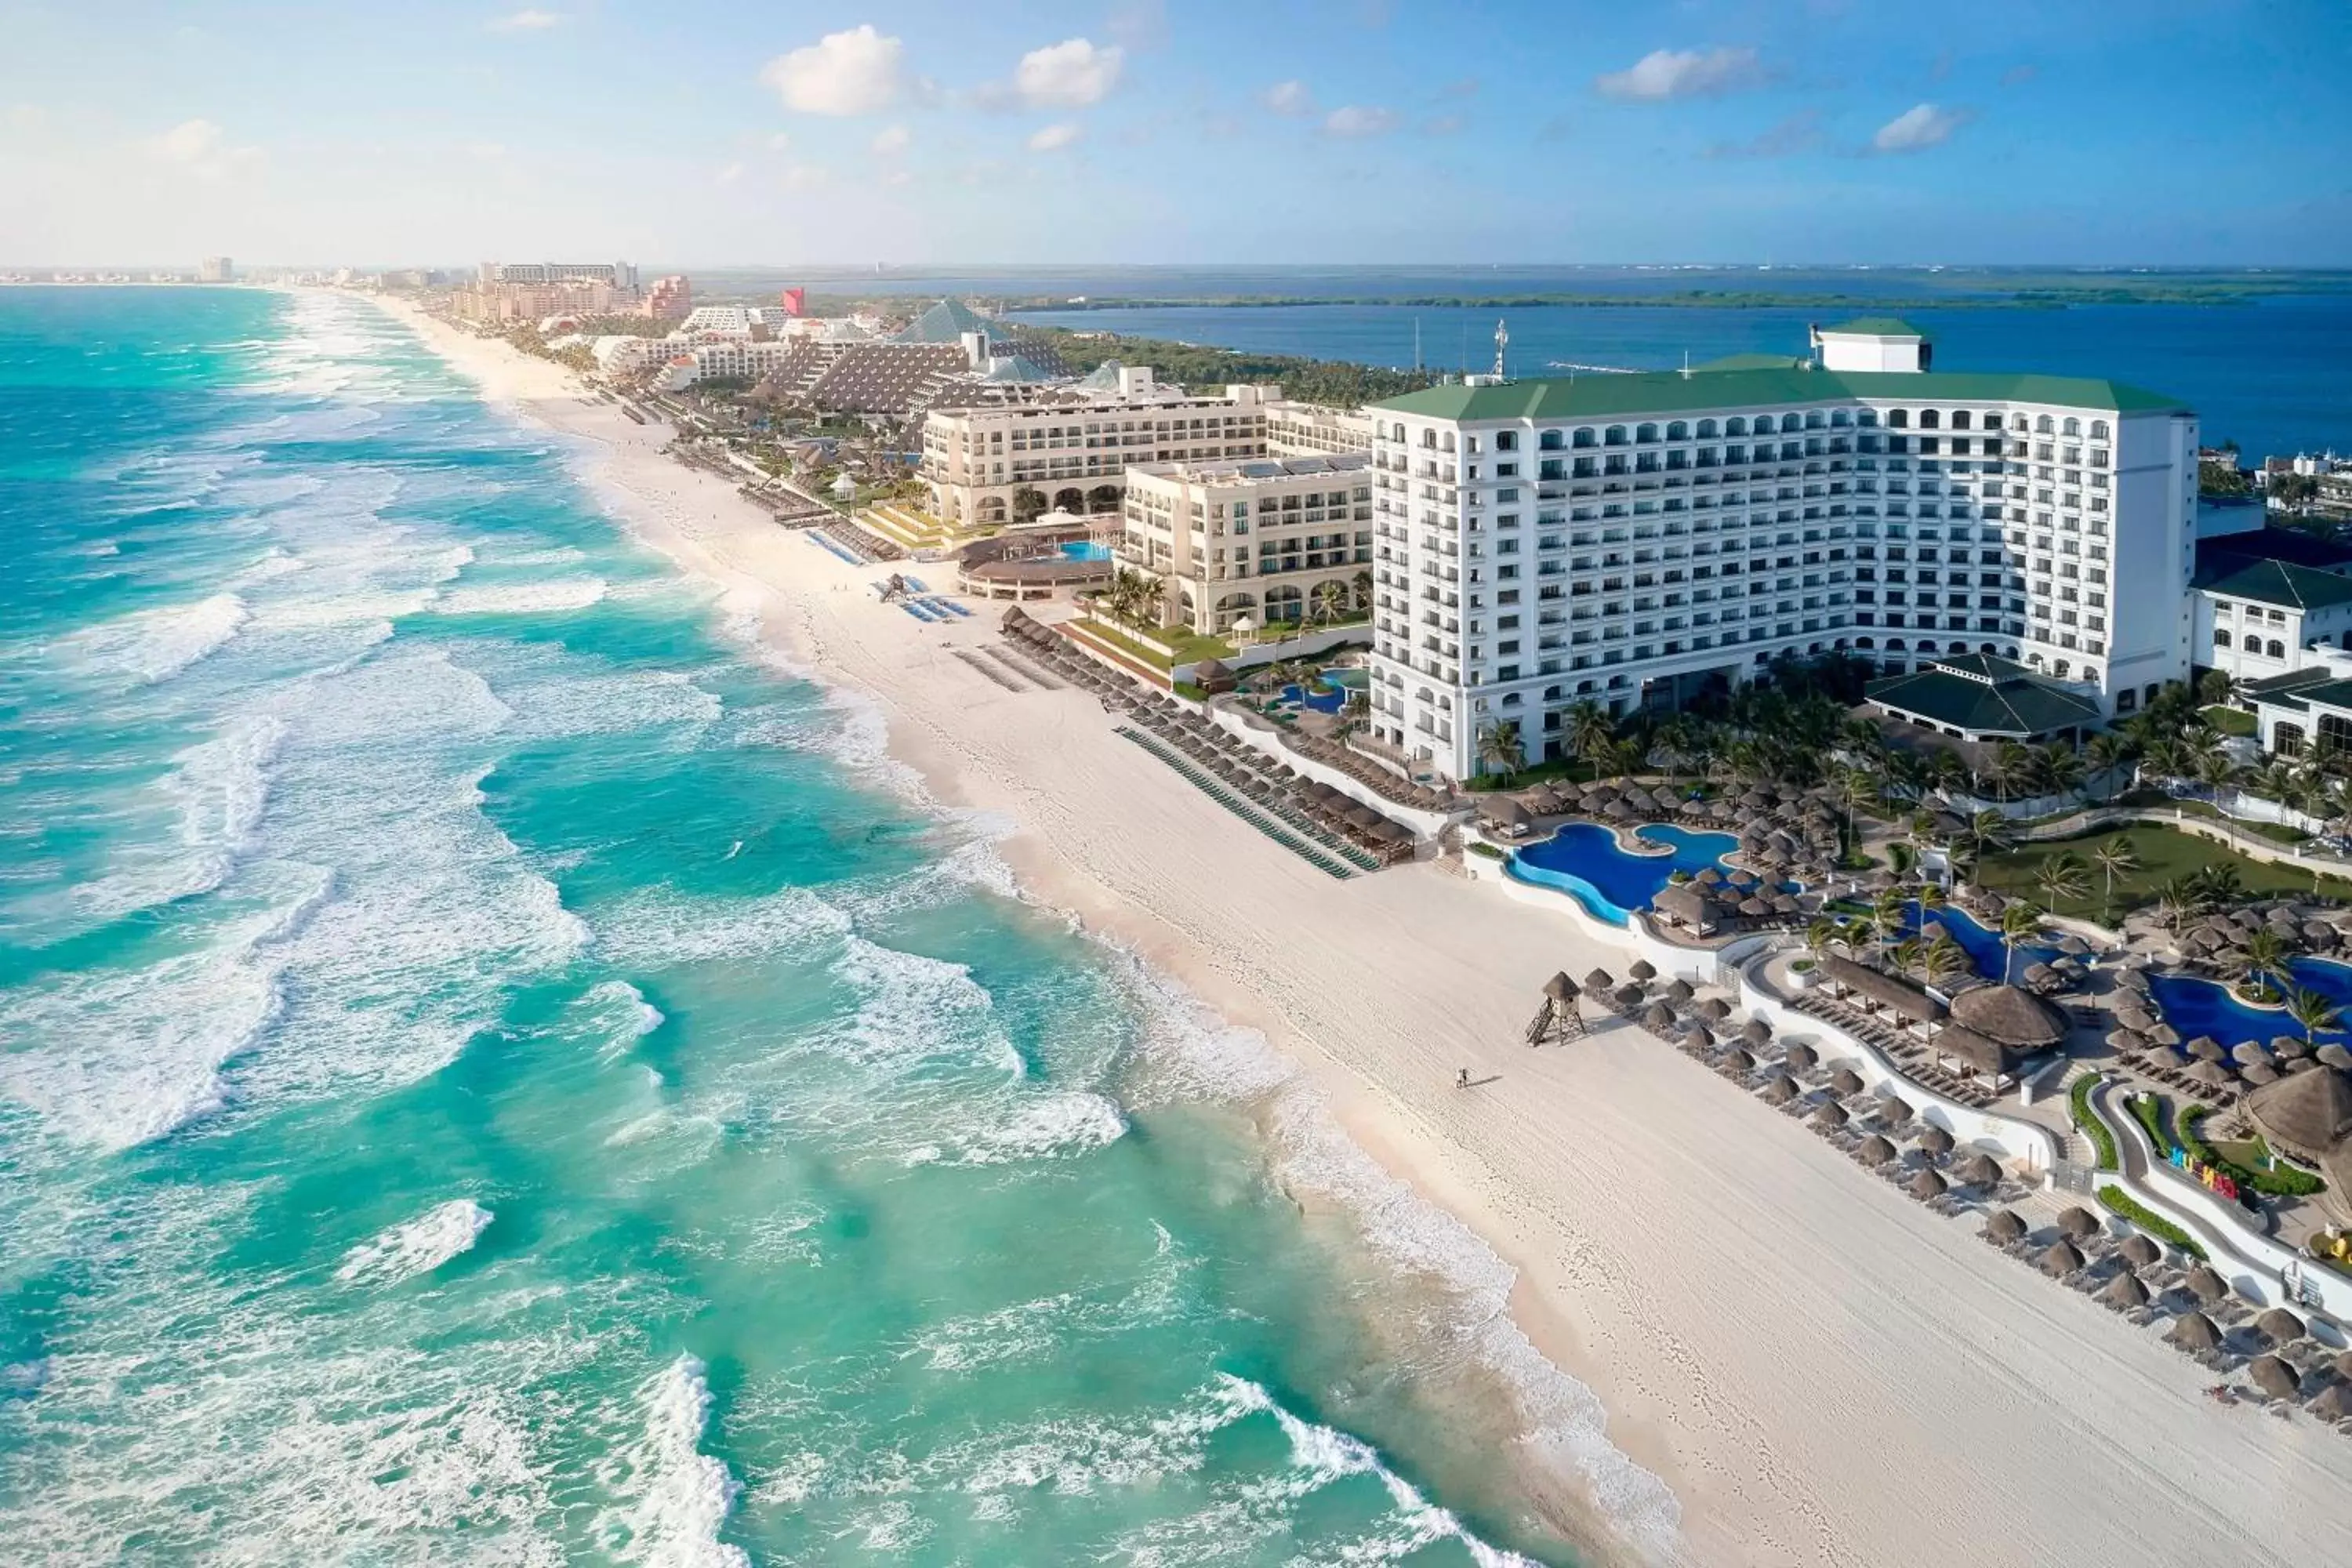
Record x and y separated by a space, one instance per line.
2059 1259
1659 1017
1694 1036
2207 1047
2128 1042
1800 1058
2075 945
2333 1054
2165 1035
2139 1251
1894 1111
1678 991
1780 1088
2078 1222
1934 1141
1712 877
1598 981
2319 933
1979 1170
1738 1062
2260 1073
2280 1326
2211 1075
2288 1045
1756 1031
2342 1366
2125 1293
1627 997
2204 1284
1641 969
1715 1009
1875 1150
2195 1332
2005 1227
1845 1082
1927 1185
1754 907
1829 1116
2273 1377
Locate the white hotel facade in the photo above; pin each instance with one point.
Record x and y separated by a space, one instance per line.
1634 538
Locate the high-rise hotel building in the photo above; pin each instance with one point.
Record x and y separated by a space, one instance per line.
1631 540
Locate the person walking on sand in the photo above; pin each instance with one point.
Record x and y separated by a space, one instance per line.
1462 1077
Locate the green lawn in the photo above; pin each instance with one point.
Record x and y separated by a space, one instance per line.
2229 721
2163 853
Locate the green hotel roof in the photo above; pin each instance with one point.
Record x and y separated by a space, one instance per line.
1993 697
2285 585
1878 327
1670 392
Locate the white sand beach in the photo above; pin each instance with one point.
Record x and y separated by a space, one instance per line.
1821 1370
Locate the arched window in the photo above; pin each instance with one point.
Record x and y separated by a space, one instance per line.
1927 644
2222 639
1549 441
1865 642
1679 430
1894 644
1840 418
1585 438
1707 430
1646 433
1898 418
2072 427
1959 418
1614 437
2277 649
1814 421
1735 426
2060 670
2098 429
1929 419
2254 642
2042 425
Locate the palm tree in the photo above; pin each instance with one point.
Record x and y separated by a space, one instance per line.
1907 955
1589 729
2102 756
2018 922
1942 959
1355 712
2176 900
2061 877
1821 934
1990 830
2113 858
2007 766
2314 1012
2058 769
1329 599
2217 882
2264 954
1670 748
1499 750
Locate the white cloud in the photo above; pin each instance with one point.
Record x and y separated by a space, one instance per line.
855 72
1054 138
779 142
527 21
1068 74
1288 98
1683 73
891 141
1918 128
806 176
728 175
1355 119
201 147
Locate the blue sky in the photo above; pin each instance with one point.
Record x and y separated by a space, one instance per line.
691 131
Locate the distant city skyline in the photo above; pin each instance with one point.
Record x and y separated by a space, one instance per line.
2170 133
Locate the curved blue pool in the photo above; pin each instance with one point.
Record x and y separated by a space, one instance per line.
1582 860
1086 550
2196 1006
1983 947
1330 693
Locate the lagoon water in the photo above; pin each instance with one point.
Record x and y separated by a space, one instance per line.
494 1069
2275 376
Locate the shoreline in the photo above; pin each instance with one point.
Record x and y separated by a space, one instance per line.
1816 1369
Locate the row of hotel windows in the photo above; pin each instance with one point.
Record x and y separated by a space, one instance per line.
1761 425
2272 650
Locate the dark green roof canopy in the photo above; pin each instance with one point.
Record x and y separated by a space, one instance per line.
2285 585
1671 391
1878 327
1979 694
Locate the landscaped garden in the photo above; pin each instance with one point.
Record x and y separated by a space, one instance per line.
2160 855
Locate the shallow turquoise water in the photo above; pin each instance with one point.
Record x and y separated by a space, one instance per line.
1582 860
494 1070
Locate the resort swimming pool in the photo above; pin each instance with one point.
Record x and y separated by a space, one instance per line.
1331 691
2196 1006
1086 550
1582 860
1983 947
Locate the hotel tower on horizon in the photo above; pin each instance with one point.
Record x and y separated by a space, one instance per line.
1629 539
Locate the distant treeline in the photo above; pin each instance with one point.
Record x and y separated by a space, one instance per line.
1198 368
2036 295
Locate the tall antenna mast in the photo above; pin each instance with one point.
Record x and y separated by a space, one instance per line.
1502 341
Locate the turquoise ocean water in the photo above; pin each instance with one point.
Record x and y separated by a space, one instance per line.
492 1070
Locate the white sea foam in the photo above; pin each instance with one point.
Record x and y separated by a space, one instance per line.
416 1247
220 787
619 1013
671 1498
1033 1128
150 646
274 562
540 598
655 930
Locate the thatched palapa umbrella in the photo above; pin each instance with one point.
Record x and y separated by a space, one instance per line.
2059 1259
2279 1326
1978 1170
2333 1402
1800 1058
1831 1115
2078 1222
1658 1018
1780 1088
1715 1009
2275 1377
1641 969
1738 1062
1927 1185
1599 981
1875 1150
2005 1227
1756 1031
2125 1293
2205 1285
1845 1082
2140 1251
1934 1141
2195 1332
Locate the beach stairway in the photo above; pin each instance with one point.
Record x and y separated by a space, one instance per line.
908 527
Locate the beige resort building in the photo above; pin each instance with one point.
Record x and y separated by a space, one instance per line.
1259 537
